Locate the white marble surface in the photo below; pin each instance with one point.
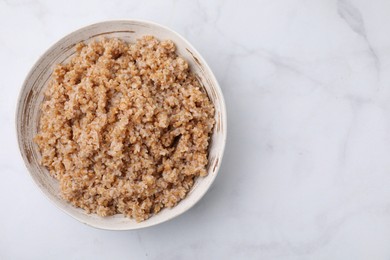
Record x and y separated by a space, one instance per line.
306 173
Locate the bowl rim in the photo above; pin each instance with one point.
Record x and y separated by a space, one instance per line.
211 75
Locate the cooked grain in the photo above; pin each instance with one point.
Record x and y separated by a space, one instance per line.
125 127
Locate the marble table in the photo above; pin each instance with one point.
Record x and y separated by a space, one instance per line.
306 173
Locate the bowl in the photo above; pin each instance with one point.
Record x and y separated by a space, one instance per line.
32 94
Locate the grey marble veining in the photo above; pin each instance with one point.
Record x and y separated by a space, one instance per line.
306 173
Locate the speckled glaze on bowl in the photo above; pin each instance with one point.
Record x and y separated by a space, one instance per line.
32 94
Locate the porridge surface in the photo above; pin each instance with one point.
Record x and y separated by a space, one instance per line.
125 127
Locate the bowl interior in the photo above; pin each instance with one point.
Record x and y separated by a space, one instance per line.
32 94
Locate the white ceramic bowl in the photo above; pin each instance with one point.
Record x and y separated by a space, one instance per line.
31 95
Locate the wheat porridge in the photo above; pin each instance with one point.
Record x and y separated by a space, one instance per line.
125 127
